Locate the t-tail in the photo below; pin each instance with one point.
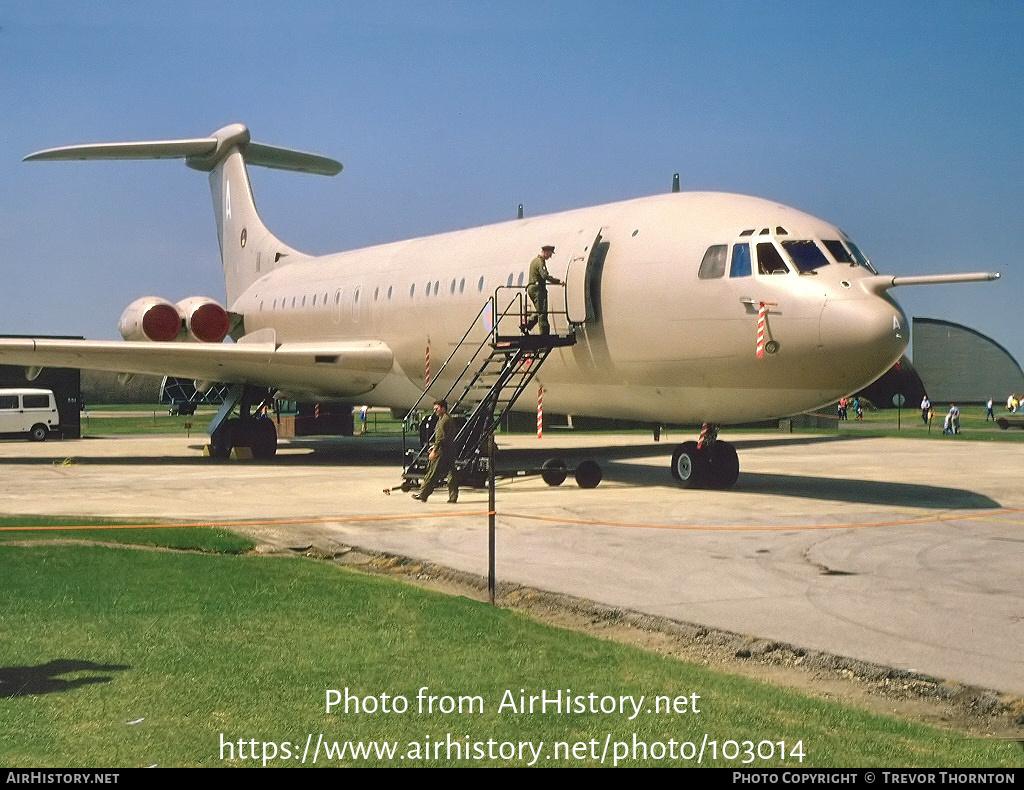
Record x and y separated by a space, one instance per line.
247 249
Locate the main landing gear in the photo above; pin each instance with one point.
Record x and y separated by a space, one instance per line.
706 463
255 431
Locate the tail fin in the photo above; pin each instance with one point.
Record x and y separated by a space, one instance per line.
247 249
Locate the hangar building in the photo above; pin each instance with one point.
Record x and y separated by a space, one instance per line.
959 365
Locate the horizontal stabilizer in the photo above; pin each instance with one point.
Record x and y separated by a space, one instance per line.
201 153
157 149
287 159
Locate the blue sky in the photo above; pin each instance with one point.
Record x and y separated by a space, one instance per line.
900 122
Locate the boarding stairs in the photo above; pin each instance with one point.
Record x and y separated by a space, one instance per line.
490 381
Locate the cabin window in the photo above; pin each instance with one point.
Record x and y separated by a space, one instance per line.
462 285
389 291
740 261
838 251
713 265
522 276
769 260
453 287
314 300
480 285
293 301
510 280
805 254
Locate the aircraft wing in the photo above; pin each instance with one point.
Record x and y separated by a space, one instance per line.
332 369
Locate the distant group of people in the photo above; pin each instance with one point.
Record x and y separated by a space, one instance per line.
951 422
844 408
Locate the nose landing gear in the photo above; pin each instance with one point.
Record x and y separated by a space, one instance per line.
706 463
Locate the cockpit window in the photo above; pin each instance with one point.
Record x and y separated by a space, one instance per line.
713 265
740 266
769 261
805 254
860 257
838 251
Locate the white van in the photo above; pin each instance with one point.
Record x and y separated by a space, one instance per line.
28 412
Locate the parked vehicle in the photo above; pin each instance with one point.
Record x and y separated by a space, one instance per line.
28 412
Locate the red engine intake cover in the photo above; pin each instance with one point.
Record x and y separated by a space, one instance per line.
205 319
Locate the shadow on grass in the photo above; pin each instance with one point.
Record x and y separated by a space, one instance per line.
45 678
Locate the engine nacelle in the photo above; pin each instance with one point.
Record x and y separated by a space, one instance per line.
151 318
204 319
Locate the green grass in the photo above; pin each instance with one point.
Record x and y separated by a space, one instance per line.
204 539
155 421
161 655
972 426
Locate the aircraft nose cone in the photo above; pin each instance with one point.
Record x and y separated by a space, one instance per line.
863 337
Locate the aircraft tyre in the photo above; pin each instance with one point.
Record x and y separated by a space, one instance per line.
262 437
38 433
690 465
223 439
588 474
553 471
723 465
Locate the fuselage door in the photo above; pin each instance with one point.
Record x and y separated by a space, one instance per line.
583 277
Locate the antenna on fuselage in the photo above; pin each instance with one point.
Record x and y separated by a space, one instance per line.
675 182
520 211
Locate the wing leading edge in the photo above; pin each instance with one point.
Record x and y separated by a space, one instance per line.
339 369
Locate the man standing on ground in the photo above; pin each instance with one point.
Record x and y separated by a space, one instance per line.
441 461
538 290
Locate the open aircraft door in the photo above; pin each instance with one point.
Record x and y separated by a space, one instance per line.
582 277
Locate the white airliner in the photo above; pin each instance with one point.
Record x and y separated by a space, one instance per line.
694 308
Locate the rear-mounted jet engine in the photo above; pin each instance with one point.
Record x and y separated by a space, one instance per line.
197 318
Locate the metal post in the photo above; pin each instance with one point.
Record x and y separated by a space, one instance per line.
675 182
491 582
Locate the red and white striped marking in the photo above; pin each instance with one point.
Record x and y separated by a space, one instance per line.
426 375
540 412
762 311
703 436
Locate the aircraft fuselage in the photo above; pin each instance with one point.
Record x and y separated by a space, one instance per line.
663 336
